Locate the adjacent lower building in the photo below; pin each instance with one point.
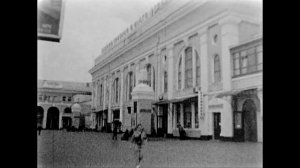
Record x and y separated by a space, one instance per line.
197 63
63 104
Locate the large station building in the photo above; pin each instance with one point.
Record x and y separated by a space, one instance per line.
193 62
63 104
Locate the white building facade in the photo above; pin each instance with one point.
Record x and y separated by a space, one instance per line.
203 61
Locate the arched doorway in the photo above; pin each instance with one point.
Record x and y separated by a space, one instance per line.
66 120
52 118
250 123
40 116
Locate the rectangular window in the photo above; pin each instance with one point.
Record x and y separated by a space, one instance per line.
64 98
69 99
247 60
187 116
129 110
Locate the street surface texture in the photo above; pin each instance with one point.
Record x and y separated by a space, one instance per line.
61 149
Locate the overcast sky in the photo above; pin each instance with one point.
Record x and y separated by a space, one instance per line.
88 26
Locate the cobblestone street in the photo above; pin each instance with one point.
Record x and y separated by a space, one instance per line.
90 149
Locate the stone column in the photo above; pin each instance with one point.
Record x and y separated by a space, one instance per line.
229 37
170 119
203 63
60 119
260 117
173 115
193 114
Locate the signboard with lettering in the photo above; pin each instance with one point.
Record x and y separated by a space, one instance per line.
50 19
145 110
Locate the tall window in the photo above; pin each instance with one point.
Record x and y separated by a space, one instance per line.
188 68
101 99
179 74
149 75
217 68
116 88
247 60
165 82
197 69
187 115
130 84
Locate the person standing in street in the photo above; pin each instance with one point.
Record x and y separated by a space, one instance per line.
138 138
182 133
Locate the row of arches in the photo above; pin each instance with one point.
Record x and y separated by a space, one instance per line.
52 118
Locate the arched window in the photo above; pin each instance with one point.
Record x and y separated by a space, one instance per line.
197 69
179 73
188 68
217 68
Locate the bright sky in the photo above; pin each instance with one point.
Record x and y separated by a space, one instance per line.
88 26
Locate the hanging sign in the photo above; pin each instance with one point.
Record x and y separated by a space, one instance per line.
50 19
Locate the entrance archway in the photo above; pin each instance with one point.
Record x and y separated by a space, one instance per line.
250 123
52 118
40 116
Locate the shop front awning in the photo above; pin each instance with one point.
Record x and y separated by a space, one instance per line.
182 99
161 102
228 93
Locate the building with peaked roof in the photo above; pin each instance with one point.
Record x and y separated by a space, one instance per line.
203 61
63 104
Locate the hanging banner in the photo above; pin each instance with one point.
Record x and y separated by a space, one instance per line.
50 19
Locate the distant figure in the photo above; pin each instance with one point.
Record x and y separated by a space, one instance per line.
138 138
182 133
39 128
115 131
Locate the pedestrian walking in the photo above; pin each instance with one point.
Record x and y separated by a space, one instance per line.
39 128
138 138
115 130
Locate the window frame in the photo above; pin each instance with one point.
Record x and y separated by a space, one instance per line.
237 59
217 68
188 69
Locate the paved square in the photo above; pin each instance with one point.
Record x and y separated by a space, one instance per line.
62 149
